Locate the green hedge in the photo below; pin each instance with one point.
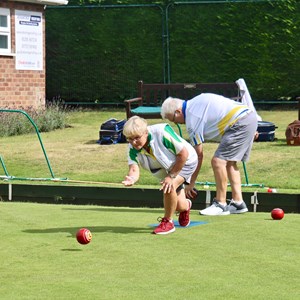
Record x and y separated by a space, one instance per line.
97 54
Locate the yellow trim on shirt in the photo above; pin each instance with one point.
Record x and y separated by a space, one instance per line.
198 140
143 151
225 121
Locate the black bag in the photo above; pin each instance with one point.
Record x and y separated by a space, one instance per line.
111 132
266 131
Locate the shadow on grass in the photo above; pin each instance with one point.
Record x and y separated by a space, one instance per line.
91 142
278 143
94 229
72 250
117 209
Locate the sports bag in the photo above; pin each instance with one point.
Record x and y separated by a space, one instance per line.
292 133
266 131
111 132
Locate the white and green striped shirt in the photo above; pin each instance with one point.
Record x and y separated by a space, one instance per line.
164 144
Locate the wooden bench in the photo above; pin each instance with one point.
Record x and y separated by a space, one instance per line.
150 96
298 98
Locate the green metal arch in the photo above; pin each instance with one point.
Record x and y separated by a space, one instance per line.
40 140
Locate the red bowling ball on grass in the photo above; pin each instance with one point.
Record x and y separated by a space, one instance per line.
83 236
277 214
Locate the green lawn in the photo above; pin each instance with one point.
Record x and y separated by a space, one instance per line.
231 257
74 154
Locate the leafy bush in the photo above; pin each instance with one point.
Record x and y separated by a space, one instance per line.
49 118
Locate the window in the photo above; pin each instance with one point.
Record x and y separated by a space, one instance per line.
5 45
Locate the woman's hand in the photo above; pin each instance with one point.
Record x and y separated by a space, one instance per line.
190 191
167 185
129 180
132 176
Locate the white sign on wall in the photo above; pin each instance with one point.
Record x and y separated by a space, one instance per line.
29 40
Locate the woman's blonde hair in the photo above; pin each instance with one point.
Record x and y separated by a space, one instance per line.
135 126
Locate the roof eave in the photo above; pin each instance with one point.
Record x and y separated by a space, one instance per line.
44 2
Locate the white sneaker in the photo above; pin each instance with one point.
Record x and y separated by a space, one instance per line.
235 208
216 209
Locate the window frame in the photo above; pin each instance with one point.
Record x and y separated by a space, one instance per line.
6 31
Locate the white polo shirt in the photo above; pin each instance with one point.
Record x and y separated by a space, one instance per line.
208 116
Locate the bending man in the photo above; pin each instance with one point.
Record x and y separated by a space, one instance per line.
211 117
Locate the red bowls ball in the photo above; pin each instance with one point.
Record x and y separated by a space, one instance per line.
277 214
83 236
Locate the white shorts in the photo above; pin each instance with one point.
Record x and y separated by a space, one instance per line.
186 172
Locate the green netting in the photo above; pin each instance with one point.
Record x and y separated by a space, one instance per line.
97 54
100 54
222 42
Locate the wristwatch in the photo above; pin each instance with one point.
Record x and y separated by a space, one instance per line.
172 175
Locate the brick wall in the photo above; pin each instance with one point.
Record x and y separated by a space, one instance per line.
21 88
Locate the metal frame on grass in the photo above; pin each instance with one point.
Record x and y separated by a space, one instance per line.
9 177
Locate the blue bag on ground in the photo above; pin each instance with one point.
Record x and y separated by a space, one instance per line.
111 132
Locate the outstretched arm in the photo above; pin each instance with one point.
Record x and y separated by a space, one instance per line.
132 176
